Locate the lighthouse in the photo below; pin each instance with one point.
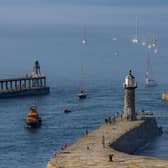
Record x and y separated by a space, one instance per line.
129 97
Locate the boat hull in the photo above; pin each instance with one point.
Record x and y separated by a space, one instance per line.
25 92
151 85
82 96
67 111
154 84
34 124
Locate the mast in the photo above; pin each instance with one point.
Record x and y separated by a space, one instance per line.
135 38
81 80
84 40
136 35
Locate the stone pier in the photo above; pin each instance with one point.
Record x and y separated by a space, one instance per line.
111 146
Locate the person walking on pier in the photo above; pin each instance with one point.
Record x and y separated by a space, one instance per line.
86 132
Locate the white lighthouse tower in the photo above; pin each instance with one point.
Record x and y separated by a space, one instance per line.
129 97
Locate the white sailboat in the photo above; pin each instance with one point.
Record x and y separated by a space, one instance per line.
135 37
149 81
82 94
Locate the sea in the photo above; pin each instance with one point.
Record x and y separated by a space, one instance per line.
52 32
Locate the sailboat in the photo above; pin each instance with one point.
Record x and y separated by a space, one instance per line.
135 37
82 94
149 81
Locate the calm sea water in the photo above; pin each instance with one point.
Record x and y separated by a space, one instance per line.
32 148
52 31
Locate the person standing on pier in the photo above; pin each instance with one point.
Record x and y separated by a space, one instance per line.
103 141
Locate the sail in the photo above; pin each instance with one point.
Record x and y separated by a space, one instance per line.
147 71
81 89
149 81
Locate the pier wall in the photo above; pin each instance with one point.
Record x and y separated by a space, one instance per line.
120 140
137 137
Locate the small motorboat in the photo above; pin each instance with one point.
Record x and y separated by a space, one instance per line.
66 110
33 120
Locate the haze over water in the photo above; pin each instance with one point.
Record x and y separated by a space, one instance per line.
52 31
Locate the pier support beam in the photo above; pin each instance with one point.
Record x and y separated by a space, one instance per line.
1 85
20 84
29 83
16 84
44 82
24 84
10 84
41 82
6 83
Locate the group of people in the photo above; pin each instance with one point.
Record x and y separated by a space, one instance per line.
117 117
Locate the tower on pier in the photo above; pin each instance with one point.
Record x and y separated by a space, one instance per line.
36 69
129 97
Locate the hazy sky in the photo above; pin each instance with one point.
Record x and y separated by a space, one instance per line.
51 31
61 11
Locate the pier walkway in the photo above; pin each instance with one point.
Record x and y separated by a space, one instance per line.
93 150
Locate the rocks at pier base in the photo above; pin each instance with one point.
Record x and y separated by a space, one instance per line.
95 151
